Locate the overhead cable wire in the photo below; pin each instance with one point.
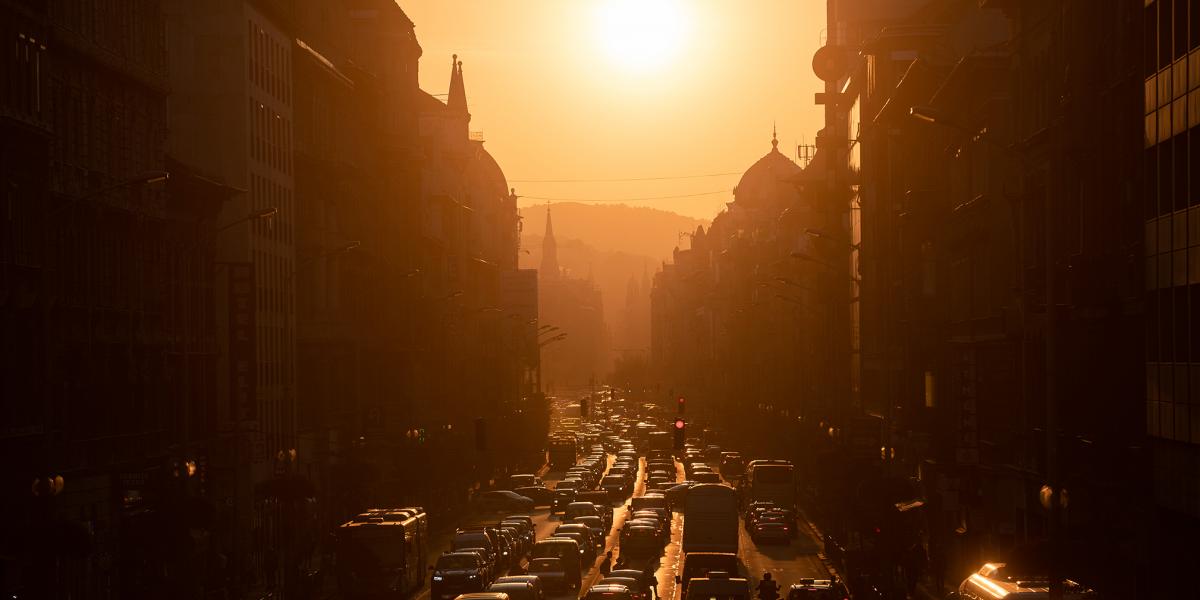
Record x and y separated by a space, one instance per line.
620 179
726 191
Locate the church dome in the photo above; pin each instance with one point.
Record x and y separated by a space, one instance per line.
767 180
489 171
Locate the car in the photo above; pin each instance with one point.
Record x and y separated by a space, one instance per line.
637 587
616 486
516 539
648 582
541 496
551 572
718 584
816 589
700 564
483 596
587 548
489 572
608 592
487 541
565 549
524 480
640 541
522 590
562 499
568 483
511 546
525 530
754 509
602 502
580 509
767 532
712 452
530 579
706 477
457 573
501 501
596 525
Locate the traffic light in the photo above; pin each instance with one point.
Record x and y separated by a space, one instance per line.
680 432
583 408
679 405
480 435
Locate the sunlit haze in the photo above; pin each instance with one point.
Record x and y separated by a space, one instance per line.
628 89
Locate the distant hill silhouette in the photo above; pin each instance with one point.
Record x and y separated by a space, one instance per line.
610 227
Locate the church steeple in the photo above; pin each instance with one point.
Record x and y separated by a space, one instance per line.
549 268
457 98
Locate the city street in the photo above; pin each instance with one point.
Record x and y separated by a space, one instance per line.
787 563
298 295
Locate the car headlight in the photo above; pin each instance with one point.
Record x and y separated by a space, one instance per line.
472 577
437 577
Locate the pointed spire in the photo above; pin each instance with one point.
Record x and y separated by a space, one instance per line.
774 138
549 268
457 98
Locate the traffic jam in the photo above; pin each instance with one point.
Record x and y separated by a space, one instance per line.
629 507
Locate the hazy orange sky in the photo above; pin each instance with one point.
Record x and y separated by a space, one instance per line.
614 89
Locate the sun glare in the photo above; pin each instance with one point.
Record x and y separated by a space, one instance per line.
641 35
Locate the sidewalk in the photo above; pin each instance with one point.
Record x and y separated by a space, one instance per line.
923 591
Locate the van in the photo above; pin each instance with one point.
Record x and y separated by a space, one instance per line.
700 564
718 587
567 551
990 582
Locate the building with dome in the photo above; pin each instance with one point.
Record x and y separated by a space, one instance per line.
741 319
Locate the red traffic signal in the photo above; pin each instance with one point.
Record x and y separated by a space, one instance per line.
680 423
679 404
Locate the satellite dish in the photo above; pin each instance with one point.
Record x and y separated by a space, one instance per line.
830 63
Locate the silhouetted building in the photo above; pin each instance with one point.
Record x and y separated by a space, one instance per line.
231 118
968 124
575 308
751 296
1171 116
106 312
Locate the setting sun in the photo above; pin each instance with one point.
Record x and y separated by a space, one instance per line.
641 35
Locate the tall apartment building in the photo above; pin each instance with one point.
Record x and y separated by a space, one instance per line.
231 119
231 116
1171 210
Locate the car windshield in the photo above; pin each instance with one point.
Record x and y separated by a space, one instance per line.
456 562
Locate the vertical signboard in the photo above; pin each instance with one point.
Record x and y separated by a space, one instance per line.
242 352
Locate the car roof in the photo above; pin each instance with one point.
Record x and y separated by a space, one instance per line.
510 584
530 579
631 573
621 580
609 587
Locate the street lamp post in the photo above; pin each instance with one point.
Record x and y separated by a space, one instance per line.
192 251
542 344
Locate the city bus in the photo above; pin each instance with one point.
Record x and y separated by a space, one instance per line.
381 546
771 481
563 452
